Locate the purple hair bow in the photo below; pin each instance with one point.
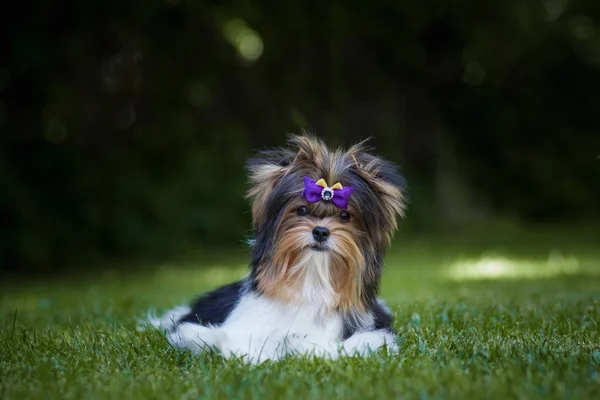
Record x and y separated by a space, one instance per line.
319 190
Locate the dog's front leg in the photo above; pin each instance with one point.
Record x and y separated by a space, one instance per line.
197 338
363 343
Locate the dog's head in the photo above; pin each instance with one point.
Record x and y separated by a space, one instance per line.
323 220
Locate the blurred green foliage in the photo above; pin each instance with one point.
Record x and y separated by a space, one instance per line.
126 124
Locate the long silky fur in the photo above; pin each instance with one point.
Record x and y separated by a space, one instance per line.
313 296
281 237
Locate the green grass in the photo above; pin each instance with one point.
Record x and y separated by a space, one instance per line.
516 316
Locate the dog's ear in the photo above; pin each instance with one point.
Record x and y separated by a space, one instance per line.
383 176
264 171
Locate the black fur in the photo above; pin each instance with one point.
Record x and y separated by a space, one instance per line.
383 320
214 307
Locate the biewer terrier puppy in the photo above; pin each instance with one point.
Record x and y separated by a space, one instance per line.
322 220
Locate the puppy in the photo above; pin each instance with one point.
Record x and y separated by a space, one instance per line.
323 220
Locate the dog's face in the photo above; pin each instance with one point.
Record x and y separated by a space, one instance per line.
323 220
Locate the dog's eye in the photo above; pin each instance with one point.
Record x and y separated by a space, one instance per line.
301 211
345 216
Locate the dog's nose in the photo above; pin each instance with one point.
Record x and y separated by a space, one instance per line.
320 234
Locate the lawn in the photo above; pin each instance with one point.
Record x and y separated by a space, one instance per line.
480 315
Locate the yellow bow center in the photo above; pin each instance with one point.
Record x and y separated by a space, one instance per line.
323 184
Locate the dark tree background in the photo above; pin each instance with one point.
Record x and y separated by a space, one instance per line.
126 124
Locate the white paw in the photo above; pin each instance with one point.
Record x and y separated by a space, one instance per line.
364 343
165 322
194 337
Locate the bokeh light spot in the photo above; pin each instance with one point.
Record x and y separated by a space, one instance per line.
554 9
581 27
495 267
246 40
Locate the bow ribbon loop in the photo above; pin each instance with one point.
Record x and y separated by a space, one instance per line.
319 190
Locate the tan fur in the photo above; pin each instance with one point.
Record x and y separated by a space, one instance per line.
274 278
263 179
346 272
392 196
310 150
278 278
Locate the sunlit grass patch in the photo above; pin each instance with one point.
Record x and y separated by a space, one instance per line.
490 266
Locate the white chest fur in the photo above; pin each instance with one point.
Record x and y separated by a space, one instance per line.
313 272
265 328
